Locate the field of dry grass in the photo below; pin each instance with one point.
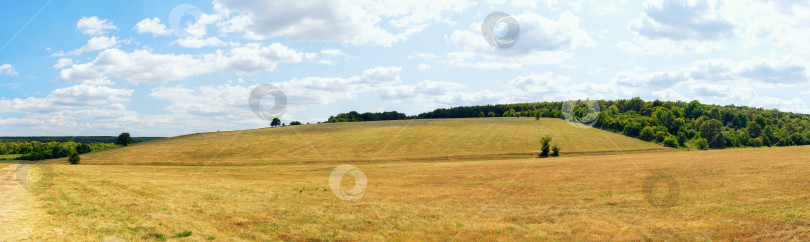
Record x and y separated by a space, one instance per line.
745 194
403 140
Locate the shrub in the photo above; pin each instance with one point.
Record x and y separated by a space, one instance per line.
35 156
702 144
59 152
756 142
671 141
555 150
83 148
647 133
660 136
74 158
295 123
545 143
183 234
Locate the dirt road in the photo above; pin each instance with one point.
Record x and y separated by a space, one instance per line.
19 209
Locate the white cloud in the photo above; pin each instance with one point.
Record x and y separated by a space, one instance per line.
723 92
792 105
326 62
63 62
143 66
94 44
82 95
94 25
152 26
541 41
8 69
334 53
655 81
199 28
679 21
200 43
702 26
423 67
423 55
765 71
425 89
786 70
354 22
210 106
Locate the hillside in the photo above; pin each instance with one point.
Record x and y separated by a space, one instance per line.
400 140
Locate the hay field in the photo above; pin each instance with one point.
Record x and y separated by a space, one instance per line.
402 140
745 194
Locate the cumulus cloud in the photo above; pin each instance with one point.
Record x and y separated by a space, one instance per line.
200 43
791 105
63 62
722 92
8 69
209 106
701 26
96 43
354 22
82 95
334 53
767 71
153 26
143 66
94 25
541 41
714 80
679 21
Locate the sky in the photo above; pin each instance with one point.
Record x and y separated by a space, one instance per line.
166 68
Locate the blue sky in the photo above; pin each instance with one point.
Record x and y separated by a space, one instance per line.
165 68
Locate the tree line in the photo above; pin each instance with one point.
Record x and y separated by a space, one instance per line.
354 116
77 139
670 123
35 150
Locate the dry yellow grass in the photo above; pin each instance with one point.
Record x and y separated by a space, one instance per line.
743 194
403 140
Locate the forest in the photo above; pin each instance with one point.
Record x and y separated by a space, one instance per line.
35 150
675 124
77 139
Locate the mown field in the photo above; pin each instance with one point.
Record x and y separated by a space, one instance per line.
599 194
756 194
402 140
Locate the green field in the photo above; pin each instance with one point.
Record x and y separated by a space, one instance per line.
424 187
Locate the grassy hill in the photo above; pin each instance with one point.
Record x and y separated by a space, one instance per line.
400 140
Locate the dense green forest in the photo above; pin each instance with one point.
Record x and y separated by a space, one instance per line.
35 150
357 117
41 147
673 124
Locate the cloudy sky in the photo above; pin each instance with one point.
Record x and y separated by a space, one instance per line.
165 68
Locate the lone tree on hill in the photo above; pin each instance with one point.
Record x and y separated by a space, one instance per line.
74 158
275 123
124 139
